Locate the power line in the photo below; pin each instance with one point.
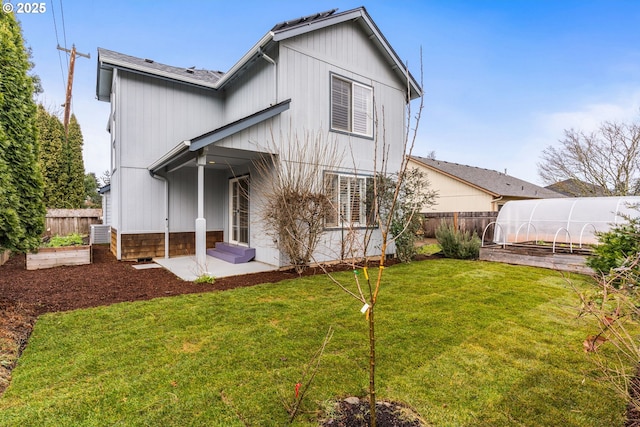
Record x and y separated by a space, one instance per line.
55 29
64 30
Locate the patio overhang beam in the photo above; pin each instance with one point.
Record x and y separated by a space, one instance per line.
170 157
238 126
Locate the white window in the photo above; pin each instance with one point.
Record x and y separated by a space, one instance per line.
351 200
351 107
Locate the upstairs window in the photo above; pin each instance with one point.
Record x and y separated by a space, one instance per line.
351 107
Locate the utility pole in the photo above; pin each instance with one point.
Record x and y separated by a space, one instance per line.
67 104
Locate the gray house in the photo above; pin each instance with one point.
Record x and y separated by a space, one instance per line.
184 141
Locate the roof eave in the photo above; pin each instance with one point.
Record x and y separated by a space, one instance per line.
457 178
111 63
245 60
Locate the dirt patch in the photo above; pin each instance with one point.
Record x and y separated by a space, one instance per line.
354 412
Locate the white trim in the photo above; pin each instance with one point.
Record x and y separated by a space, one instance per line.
353 111
233 181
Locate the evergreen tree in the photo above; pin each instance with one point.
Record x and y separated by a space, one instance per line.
75 165
92 197
22 209
51 157
61 161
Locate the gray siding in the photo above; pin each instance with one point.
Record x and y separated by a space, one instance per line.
252 91
152 117
183 199
306 64
155 115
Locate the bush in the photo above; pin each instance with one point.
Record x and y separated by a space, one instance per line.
456 244
407 235
617 248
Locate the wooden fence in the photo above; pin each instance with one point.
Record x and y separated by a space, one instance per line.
463 221
66 221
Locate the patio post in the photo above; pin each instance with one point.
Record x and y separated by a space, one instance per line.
201 222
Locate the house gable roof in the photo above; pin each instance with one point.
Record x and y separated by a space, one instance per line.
108 60
495 183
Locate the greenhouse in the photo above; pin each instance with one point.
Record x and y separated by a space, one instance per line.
563 221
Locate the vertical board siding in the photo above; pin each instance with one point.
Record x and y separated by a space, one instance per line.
157 115
183 200
307 62
251 92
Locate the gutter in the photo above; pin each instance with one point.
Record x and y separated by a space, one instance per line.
163 161
153 168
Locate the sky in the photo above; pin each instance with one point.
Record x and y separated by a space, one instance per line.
502 79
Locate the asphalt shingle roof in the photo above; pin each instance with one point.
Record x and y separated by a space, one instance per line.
207 77
489 180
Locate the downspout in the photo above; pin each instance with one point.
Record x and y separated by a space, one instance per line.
166 211
496 200
275 73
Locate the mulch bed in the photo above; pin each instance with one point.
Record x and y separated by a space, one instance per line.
26 294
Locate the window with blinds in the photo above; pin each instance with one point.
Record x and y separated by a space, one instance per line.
351 201
351 107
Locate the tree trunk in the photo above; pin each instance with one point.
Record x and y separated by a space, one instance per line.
372 368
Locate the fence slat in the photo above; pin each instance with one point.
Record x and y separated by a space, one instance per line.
463 221
66 221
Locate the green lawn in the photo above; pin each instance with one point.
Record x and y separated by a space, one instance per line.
464 343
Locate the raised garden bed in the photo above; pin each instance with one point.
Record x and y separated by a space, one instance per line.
54 257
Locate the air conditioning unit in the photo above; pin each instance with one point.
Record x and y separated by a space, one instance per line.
100 234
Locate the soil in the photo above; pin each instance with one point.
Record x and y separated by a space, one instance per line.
26 294
354 412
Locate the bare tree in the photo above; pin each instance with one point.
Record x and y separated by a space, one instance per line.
604 162
294 199
299 198
392 216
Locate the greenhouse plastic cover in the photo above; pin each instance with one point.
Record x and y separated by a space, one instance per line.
572 220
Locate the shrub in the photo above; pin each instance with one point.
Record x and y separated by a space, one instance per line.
457 244
205 278
617 248
73 239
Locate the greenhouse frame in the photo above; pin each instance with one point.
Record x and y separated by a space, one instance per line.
573 222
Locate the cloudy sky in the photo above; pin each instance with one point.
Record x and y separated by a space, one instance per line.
502 79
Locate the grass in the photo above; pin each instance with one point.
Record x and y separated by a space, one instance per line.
464 343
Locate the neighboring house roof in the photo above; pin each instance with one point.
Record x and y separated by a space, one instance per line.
493 182
108 60
105 189
574 188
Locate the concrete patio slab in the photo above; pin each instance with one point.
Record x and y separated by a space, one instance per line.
186 267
